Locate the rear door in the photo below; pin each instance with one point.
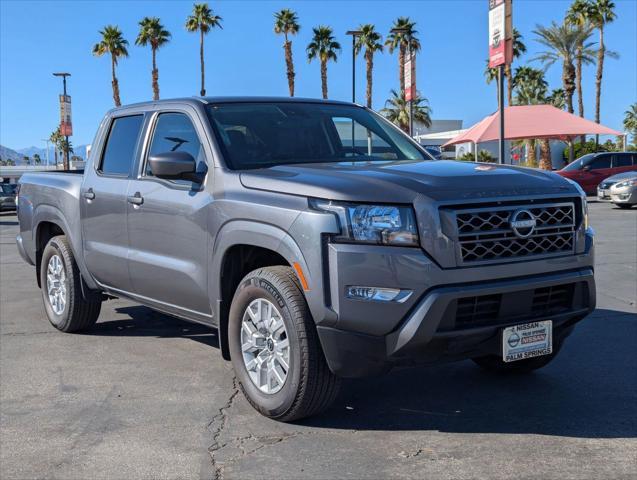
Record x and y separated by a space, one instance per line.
167 221
103 204
623 162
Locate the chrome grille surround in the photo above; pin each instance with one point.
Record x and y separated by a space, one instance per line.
485 235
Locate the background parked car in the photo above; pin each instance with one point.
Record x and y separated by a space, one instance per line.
624 193
7 196
603 189
591 169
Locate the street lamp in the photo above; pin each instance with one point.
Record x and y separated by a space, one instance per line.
404 30
355 34
66 150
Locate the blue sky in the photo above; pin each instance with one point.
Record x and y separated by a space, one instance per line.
246 58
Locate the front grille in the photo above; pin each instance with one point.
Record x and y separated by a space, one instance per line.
487 310
552 300
486 234
477 310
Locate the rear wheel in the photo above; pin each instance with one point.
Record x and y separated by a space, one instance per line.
64 304
275 349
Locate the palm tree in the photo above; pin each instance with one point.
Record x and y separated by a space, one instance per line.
600 13
112 42
561 42
403 40
66 147
286 22
491 75
152 33
630 121
324 47
518 50
36 159
56 138
557 98
202 20
397 110
370 40
577 15
530 89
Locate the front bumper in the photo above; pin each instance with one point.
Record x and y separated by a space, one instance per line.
432 332
627 195
453 314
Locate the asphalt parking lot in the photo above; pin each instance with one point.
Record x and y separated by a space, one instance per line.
148 396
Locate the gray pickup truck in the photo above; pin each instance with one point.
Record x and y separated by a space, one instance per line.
317 238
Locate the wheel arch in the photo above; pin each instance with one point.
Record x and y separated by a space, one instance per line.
240 247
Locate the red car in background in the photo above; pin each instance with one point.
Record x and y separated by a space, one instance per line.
589 170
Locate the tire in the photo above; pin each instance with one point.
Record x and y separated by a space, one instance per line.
77 313
309 387
624 206
493 363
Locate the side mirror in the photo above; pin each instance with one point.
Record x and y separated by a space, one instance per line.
174 166
586 168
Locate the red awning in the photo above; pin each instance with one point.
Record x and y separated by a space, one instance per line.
532 121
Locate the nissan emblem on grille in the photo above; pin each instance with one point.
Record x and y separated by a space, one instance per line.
522 223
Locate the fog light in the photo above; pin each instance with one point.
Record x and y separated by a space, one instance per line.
378 294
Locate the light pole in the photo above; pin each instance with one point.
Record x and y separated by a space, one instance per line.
355 34
66 137
46 140
404 31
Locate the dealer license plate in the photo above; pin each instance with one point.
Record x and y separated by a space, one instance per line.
527 340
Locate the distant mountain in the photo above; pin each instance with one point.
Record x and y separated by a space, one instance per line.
18 155
9 154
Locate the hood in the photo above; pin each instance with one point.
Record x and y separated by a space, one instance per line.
403 182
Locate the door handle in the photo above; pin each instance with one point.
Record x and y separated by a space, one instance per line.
136 199
89 194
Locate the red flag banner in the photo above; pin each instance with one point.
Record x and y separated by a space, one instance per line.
66 124
497 33
410 78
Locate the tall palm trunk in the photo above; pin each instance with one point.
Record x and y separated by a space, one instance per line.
545 155
401 67
289 64
507 74
578 85
203 78
369 57
55 152
155 76
600 73
115 84
568 79
324 78
531 159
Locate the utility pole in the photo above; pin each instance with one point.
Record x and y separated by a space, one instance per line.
66 137
501 102
355 34
46 140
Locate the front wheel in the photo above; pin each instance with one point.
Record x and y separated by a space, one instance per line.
624 206
275 350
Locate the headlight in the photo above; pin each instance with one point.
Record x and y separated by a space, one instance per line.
627 183
375 224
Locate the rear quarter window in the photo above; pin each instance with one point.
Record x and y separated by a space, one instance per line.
121 145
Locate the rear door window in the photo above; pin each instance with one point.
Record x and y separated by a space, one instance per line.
600 162
121 145
622 161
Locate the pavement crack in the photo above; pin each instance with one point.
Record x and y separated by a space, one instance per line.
216 426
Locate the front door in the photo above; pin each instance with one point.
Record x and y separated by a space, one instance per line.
103 204
167 224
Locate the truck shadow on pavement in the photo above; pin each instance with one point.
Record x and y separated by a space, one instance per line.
144 322
589 391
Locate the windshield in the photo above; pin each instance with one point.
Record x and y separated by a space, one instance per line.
259 135
577 164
